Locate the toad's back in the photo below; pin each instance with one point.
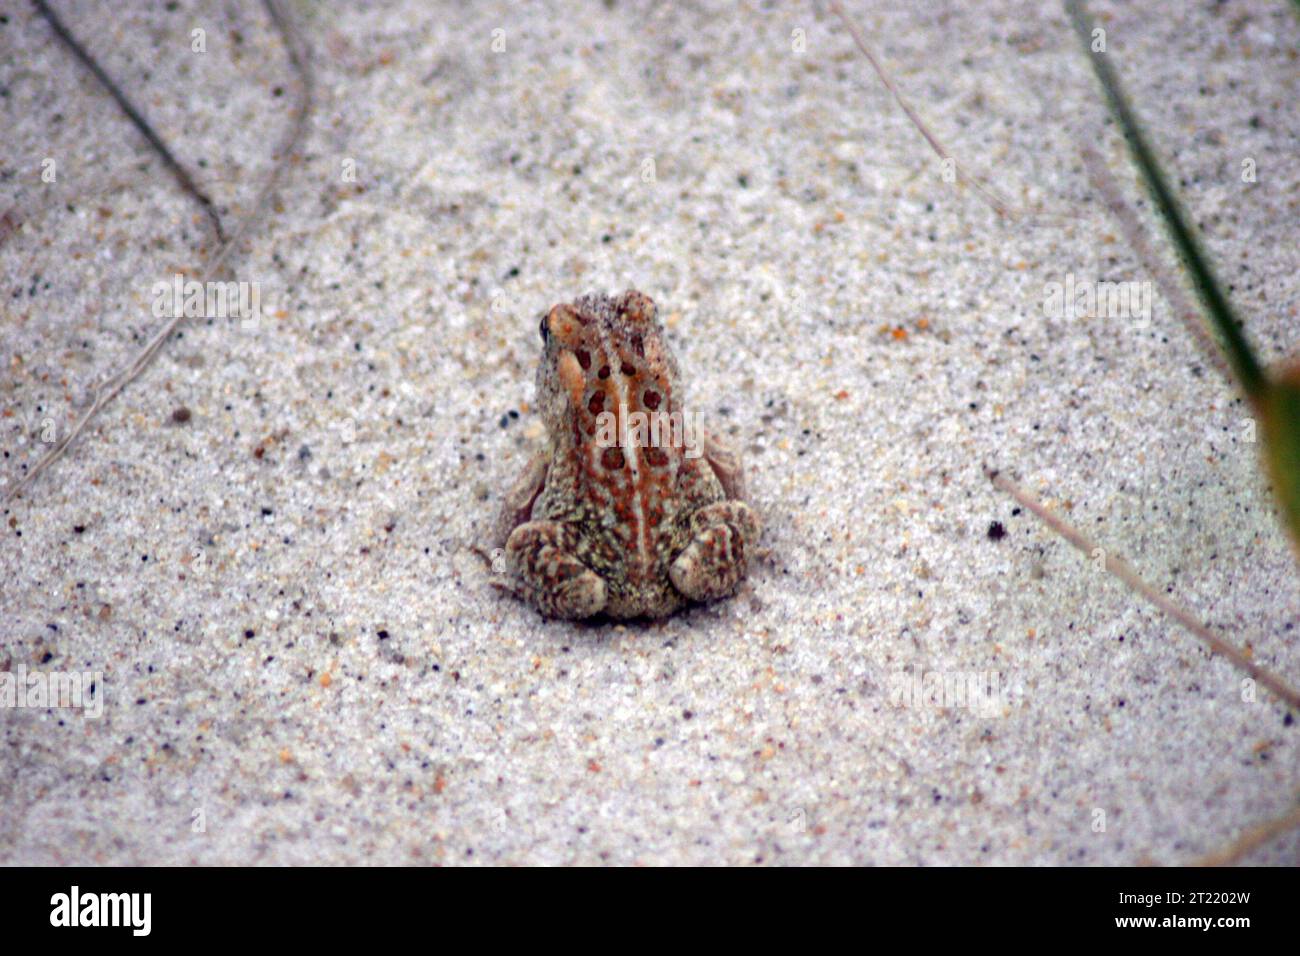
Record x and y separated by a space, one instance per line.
608 385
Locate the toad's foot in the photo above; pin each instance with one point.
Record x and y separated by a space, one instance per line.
714 561
539 555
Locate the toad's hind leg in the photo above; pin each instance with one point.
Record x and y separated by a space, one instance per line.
540 557
714 561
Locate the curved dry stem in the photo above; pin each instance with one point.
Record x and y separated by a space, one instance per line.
1252 840
1137 237
986 192
1125 572
300 60
171 162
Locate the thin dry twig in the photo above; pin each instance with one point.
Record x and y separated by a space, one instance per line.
299 57
1252 840
1125 572
1137 238
140 123
986 192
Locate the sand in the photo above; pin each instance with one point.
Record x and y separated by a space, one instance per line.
262 548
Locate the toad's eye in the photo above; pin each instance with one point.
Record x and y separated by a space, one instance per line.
544 330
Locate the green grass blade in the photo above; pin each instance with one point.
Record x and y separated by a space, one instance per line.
1280 422
1241 358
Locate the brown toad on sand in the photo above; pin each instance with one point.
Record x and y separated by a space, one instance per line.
632 510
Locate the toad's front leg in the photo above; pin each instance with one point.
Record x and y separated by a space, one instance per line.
540 556
517 506
725 462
